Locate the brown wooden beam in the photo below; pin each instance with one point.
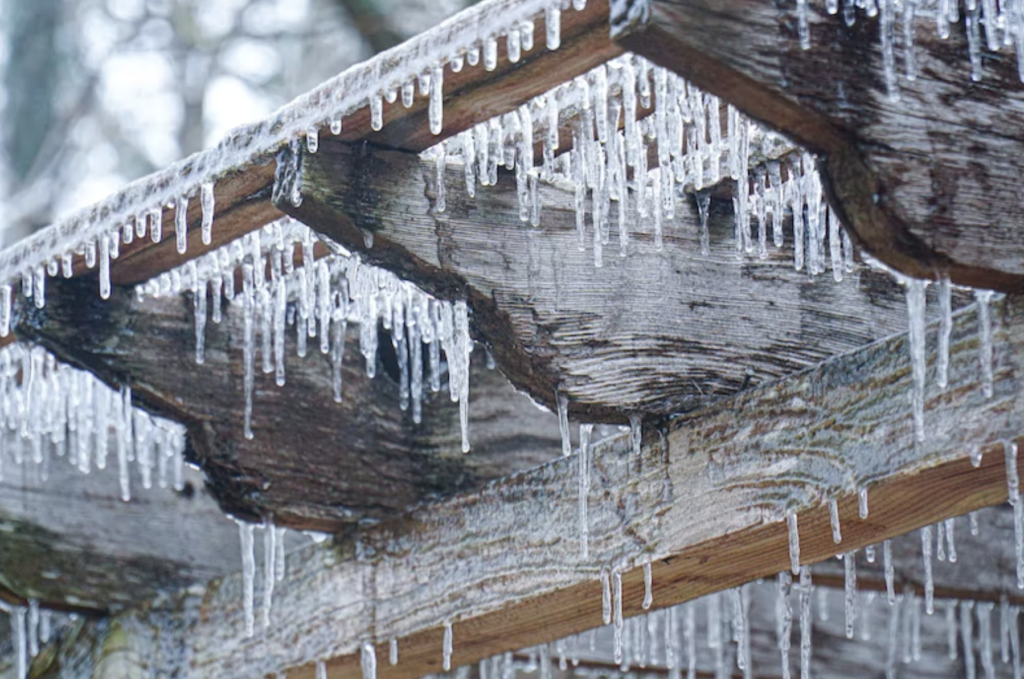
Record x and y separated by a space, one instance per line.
928 183
702 502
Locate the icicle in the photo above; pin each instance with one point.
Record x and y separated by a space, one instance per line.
940 541
784 620
33 627
248 574
321 670
269 549
926 557
972 518
313 136
206 195
636 435
888 32
336 126
104 271
279 560
890 573
553 23
377 112
562 402
985 340
893 637
1004 629
441 161
648 595
985 633
967 637
156 218
20 642
617 614
436 105
950 541
513 43
490 53
805 623
974 42
249 344
850 587
446 650
1013 491
393 651
803 27
915 310
951 630
5 310
584 488
199 312
794 543
833 513
869 553
181 224
368 656
945 329
606 597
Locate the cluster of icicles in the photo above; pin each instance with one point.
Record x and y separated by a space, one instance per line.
318 299
50 411
625 115
31 626
709 636
996 25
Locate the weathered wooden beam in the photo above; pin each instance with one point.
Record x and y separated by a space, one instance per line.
927 183
69 541
313 463
703 502
657 331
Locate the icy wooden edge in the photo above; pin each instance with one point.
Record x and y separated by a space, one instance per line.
704 500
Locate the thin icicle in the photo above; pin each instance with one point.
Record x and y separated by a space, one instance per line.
636 435
967 637
926 558
207 200
436 105
803 26
850 588
648 594
784 620
950 540
181 224
794 543
805 623
703 204
985 636
368 657
890 572
248 574
269 551
617 614
321 669
945 330
833 513
983 298
915 311
446 650
951 630
562 401
20 641
606 597
584 488
553 23
393 651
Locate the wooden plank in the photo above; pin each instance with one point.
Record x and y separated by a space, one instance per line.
927 183
242 164
654 331
702 502
313 463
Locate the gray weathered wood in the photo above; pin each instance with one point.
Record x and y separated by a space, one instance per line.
928 184
654 331
313 464
702 502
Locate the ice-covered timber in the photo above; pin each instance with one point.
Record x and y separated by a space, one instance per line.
902 173
397 580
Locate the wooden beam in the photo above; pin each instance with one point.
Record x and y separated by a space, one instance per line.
927 183
72 544
653 331
313 463
703 501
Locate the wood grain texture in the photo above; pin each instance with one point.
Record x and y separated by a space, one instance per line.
703 502
927 183
314 463
657 332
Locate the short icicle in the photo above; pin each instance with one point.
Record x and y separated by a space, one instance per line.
248 574
850 588
606 597
206 198
890 572
862 503
393 651
794 543
446 650
983 298
321 669
181 224
368 657
648 594
562 402
926 558
1013 493
833 514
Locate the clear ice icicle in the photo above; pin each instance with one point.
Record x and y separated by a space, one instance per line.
945 330
890 572
915 312
950 539
181 224
584 488
926 559
784 620
269 550
104 269
248 574
617 614
794 543
648 595
553 24
985 636
562 402
887 29
951 630
606 597
1013 493
967 637
368 657
806 623
377 112
803 26
206 199
33 627
393 651
446 650
436 105
850 588
248 344
636 435
20 641
312 139
490 53
833 514
983 298
321 670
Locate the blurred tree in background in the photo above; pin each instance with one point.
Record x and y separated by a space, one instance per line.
96 93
